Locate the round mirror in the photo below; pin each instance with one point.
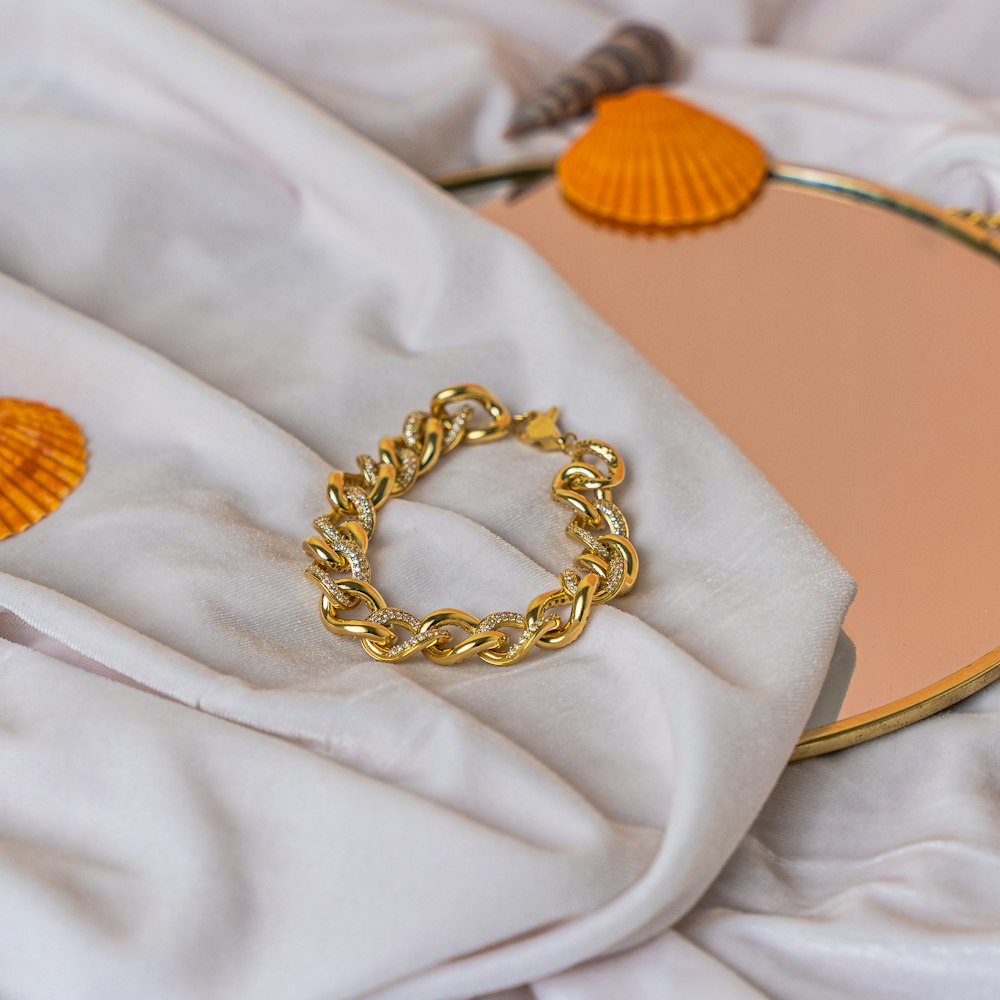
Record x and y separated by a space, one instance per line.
846 338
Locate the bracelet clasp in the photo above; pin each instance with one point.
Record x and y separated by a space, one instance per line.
541 430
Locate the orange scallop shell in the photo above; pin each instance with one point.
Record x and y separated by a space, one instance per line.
653 160
43 455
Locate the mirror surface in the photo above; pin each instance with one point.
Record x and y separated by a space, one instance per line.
852 351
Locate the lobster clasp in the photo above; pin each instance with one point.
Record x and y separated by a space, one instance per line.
541 430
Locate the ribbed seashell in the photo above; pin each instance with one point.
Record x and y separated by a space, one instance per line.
635 54
43 456
653 160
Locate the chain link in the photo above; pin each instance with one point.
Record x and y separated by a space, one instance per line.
606 568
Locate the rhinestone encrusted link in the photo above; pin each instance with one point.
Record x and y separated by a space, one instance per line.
588 538
417 640
409 463
363 509
369 469
413 428
456 425
328 583
613 517
511 619
338 542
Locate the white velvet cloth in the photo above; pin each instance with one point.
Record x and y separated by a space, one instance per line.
203 793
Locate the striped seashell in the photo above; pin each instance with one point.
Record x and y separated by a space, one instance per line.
43 456
654 160
634 54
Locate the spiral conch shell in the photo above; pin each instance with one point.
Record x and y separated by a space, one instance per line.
43 456
635 54
650 159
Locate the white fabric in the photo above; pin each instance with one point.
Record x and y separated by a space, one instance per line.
225 281
875 873
231 292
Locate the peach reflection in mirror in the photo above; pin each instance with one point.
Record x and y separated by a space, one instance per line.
849 345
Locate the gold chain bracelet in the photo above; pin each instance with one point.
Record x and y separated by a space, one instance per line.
606 568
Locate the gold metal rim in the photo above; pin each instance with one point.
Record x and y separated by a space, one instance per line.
962 683
834 184
896 714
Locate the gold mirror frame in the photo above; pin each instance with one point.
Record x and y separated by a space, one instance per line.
969 229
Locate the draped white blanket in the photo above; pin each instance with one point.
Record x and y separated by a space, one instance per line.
203 793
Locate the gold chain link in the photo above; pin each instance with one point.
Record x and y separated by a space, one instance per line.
606 568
